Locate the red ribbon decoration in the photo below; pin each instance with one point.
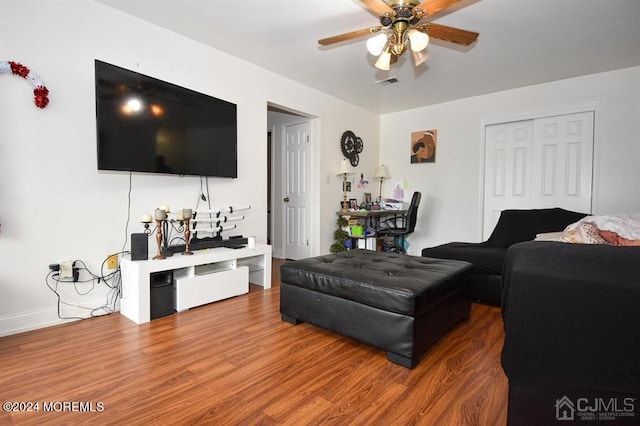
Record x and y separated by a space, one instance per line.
40 92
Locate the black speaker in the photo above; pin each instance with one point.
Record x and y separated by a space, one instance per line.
161 295
139 246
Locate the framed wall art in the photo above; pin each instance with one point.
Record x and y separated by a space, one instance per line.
423 146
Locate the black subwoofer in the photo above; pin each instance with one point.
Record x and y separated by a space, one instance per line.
161 301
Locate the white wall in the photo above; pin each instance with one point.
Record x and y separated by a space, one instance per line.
324 178
55 205
452 186
367 166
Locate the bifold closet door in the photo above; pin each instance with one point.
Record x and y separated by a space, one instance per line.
538 163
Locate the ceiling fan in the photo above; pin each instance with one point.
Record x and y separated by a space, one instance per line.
404 24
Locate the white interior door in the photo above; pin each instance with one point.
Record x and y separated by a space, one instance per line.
296 185
539 163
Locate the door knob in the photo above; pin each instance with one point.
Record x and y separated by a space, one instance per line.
286 199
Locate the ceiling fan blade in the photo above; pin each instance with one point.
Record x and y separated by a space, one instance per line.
348 36
434 6
453 35
379 7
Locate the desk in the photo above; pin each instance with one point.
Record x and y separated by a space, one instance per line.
369 242
373 216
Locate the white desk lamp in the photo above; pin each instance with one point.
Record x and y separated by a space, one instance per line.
344 170
382 174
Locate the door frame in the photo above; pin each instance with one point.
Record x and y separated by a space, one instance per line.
277 179
308 181
500 119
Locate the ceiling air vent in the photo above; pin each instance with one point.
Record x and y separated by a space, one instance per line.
387 81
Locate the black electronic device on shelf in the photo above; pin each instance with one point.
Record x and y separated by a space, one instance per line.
237 241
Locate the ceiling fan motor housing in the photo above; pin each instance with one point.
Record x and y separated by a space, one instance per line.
403 3
403 14
399 43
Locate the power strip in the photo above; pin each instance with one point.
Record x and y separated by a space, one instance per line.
66 269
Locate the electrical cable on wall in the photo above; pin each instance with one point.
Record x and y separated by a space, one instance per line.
126 226
113 281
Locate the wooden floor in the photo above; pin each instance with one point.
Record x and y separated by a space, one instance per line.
235 362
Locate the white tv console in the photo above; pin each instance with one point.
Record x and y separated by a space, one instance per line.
227 273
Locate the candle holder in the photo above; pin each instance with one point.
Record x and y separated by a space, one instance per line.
186 216
159 256
160 216
146 221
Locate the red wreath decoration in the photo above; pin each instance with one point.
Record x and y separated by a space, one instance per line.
40 92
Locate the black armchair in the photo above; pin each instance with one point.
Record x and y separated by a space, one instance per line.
400 227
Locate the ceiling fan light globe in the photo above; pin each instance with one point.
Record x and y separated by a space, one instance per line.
384 61
420 57
376 44
418 40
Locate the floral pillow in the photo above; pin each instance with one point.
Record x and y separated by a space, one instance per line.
582 233
620 230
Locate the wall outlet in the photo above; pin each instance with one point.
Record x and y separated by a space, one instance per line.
112 261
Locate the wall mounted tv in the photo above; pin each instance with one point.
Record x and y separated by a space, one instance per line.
148 125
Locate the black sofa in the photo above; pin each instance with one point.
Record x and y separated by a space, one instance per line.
572 333
487 257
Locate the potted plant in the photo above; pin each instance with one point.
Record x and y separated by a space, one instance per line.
340 236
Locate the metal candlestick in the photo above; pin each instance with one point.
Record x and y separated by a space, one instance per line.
187 236
159 256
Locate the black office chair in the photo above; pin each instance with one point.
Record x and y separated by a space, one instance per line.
400 227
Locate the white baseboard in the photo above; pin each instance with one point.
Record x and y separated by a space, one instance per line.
47 317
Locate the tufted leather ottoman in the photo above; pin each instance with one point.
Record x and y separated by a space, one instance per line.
399 303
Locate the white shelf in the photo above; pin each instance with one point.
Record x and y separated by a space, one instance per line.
135 277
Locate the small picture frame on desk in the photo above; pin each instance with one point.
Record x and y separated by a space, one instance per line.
353 204
344 205
367 197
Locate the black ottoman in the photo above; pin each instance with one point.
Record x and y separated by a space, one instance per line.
401 304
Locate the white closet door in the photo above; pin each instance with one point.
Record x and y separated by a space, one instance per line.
508 159
563 162
538 163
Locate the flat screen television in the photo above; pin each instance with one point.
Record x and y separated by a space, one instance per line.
148 125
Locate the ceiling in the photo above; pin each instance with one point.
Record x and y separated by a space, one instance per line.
521 43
